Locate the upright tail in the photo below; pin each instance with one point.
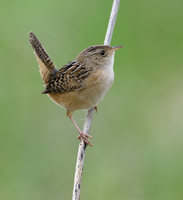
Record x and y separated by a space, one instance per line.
46 66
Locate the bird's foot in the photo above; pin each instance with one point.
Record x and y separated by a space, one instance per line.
85 137
96 109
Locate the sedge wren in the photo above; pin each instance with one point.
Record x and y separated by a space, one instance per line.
80 84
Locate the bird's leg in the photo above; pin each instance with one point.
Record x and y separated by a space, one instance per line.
82 136
96 109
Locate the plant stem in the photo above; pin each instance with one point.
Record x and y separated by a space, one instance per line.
88 121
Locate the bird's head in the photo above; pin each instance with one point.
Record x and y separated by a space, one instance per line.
97 55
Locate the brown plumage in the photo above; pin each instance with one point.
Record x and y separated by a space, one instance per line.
46 66
70 77
80 84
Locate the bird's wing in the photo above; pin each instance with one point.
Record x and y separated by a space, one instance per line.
46 66
72 76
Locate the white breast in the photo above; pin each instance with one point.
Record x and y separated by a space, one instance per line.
97 92
108 73
107 80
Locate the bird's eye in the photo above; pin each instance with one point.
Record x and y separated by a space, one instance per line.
102 53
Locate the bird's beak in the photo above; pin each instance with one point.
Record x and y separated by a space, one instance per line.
116 47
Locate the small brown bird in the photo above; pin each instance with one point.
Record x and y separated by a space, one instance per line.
80 84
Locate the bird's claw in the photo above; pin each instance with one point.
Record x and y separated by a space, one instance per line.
85 137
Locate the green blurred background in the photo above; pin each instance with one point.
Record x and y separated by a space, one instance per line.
138 130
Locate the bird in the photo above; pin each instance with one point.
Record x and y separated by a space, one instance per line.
79 85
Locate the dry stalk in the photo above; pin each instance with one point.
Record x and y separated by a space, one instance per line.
88 121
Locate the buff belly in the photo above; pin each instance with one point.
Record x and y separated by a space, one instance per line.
90 96
82 99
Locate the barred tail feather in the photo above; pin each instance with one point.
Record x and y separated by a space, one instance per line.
46 66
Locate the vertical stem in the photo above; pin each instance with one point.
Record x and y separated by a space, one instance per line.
88 121
112 21
81 157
